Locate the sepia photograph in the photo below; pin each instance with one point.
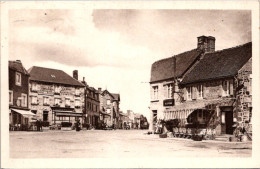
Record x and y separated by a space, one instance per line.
89 82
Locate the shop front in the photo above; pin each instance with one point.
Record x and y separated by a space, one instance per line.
65 117
20 120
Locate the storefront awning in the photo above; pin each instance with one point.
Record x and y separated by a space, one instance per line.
182 111
25 113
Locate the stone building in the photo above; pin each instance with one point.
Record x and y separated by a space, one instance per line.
109 107
19 112
213 91
166 75
54 96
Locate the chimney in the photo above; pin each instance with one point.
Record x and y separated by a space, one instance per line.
99 90
18 61
75 74
206 43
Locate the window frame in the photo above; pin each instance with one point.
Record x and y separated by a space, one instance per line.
189 93
34 86
48 101
32 101
11 99
226 88
155 92
24 100
200 91
18 83
67 101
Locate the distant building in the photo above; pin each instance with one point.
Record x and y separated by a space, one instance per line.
55 97
19 111
109 107
92 106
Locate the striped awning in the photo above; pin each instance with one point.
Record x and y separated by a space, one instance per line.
182 111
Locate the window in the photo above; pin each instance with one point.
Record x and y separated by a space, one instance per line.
67 102
155 93
10 97
77 92
34 99
45 100
227 87
18 79
56 89
24 100
77 103
34 87
108 102
189 90
108 111
57 101
200 91
168 91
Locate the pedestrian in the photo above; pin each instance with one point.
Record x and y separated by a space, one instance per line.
77 125
37 125
40 125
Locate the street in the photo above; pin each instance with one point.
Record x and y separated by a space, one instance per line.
117 143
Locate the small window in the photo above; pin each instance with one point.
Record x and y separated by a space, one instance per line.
34 87
57 101
155 93
10 97
77 103
200 91
56 89
34 99
67 102
77 92
189 93
24 100
18 79
45 100
226 88
108 102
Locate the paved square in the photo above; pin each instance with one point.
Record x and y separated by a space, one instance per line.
117 143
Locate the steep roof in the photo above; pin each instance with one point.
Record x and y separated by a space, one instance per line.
219 64
116 96
164 69
52 76
18 66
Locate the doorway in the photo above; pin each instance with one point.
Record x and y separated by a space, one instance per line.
227 122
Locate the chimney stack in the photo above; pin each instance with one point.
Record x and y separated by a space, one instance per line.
99 90
206 43
75 74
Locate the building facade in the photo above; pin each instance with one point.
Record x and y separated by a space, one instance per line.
109 107
54 96
92 106
214 92
166 75
19 112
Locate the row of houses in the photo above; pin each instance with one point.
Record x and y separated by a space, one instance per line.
54 97
204 86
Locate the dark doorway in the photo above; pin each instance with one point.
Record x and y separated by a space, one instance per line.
229 122
45 115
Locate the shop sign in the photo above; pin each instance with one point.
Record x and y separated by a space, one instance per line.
67 91
168 102
46 90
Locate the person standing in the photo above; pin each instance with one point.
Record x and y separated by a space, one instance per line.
37 125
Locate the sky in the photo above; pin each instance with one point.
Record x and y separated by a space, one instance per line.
114 49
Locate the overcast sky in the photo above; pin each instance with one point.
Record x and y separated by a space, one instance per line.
114 49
